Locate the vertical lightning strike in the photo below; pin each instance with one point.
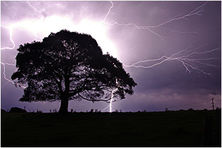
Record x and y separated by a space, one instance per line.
111 100
10 30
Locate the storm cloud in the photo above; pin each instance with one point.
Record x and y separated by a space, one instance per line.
167 85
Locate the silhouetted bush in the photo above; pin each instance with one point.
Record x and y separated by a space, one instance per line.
3 111
17 110
190 109
205 110
218 108
38 111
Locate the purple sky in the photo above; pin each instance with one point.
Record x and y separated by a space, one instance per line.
187 35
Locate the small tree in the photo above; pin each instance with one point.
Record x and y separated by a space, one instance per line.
68 65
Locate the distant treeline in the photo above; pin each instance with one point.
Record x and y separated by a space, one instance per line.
20 110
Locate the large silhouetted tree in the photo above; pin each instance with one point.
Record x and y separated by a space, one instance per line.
69 65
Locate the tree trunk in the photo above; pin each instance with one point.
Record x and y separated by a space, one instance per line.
64 105
64 97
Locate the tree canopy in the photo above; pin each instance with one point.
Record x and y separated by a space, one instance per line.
69 65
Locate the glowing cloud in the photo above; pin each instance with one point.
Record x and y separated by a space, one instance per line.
54 23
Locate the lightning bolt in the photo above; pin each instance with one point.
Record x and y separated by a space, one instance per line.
10 30
38 11
107 14
197 11
186 59
111 101
7 79
4 72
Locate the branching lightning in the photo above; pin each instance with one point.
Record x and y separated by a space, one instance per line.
5 76
4 71
185 59
197 11
188 59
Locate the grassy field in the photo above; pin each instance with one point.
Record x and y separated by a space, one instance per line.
172 128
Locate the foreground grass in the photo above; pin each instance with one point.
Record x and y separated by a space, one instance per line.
176 128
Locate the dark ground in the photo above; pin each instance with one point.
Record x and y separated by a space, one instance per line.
171 128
